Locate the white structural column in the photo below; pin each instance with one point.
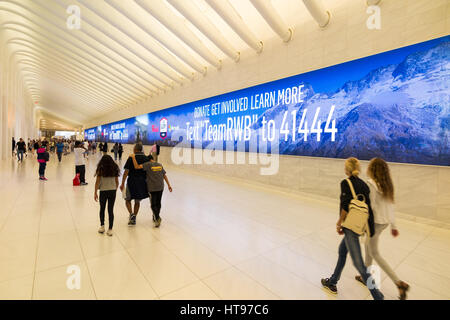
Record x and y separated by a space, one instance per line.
6 139
234 20
16 107
318 12
274 20
191 12
2 112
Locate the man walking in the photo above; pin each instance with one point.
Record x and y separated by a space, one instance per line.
21 149
59 149
136 188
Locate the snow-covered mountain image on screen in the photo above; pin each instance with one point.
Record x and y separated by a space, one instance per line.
400 112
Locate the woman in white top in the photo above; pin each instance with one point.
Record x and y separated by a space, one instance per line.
382 202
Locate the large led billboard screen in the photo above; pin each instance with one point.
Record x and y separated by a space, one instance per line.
393 105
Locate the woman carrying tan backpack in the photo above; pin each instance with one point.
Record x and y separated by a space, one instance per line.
351 187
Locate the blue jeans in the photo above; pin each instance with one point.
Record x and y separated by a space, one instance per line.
20 155
350 244
42 166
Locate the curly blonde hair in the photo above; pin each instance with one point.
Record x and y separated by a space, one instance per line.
378 170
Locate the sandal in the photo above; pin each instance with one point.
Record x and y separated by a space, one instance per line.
403 287
360 279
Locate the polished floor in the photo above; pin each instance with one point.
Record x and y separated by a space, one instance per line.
219 239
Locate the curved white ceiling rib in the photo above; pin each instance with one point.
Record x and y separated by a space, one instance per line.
91 80
229 14
91 53
270 14
42 71
116 49
80 54
163 14
189 11
128 51
82 44
70 82
66 66
73 83
166 73
154 47
162 36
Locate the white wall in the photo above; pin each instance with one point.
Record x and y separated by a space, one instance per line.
423 192
17 117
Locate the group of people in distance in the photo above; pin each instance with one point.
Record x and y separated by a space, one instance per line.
143 178
20 148
378 194
41 147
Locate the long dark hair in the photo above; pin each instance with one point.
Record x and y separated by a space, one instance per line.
107 167
378 170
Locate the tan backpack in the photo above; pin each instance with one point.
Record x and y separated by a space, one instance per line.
358 213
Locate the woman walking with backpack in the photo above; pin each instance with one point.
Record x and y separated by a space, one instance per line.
382 201
351 189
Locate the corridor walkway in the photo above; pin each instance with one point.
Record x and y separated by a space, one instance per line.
218 240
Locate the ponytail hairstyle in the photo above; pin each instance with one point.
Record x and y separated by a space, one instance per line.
378 170
352 166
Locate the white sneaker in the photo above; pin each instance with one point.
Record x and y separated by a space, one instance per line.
109 232
102 229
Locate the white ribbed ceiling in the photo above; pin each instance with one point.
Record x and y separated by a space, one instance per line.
127 51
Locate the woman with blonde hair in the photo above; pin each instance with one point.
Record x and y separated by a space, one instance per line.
382 202
350 243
